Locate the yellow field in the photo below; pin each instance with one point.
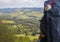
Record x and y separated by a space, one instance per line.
23 35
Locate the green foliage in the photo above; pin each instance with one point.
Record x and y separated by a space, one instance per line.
33 33
6 34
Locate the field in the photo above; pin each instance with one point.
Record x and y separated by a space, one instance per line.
23 35
28 37
20 26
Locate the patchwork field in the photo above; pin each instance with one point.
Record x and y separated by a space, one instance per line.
20 25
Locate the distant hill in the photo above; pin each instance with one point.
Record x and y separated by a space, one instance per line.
8 10
11 10
21 13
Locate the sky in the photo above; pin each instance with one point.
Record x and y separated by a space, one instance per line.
21 3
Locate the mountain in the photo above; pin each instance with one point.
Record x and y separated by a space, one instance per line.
11 10
8 10
32 9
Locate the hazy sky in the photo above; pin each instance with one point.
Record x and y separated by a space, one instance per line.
21 3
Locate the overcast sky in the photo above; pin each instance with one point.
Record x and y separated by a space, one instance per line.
21 3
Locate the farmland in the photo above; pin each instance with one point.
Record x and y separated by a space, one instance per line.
20 26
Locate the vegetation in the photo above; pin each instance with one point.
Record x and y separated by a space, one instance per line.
6 34
19 27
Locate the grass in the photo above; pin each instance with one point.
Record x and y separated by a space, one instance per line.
33 37
23 35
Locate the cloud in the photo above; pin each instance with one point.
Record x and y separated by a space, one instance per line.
5 1
21 3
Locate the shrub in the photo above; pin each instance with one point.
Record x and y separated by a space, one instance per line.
6 34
